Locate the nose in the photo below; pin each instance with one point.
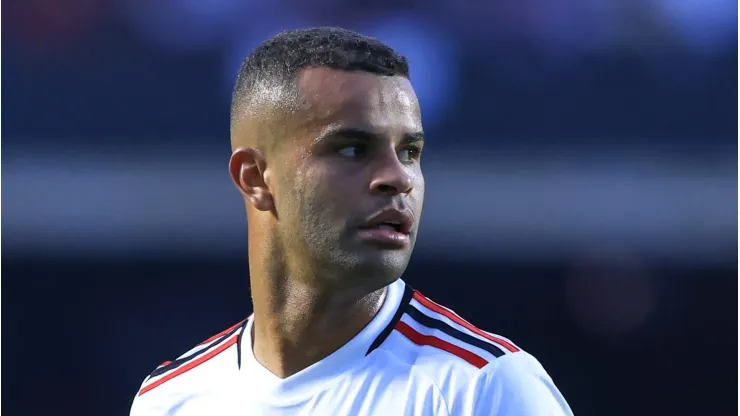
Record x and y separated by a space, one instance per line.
391 177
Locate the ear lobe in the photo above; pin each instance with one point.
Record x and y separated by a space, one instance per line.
247 169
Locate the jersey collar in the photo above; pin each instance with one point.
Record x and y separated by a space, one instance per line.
306 383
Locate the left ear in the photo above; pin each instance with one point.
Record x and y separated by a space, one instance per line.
248 168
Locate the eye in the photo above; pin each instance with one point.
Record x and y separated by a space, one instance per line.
409 154
353 151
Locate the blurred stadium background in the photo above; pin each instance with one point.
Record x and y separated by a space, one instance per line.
581 172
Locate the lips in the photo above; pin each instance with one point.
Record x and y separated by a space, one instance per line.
391 219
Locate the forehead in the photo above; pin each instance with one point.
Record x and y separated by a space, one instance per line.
359 99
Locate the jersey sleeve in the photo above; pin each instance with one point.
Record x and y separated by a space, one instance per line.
142 406
151 404
517 385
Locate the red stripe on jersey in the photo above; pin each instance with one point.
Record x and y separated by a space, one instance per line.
458 320
421 339
191 365
220 334
164 364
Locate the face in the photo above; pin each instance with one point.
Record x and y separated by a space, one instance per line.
348 190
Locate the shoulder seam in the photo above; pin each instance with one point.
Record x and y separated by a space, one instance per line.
171 369
169 366
504 345
222 333
435 342
438 325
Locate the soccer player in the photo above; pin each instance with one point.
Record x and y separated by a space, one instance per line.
327 137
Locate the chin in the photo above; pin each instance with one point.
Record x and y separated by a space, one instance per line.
381 268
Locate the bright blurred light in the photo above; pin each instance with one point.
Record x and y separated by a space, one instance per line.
706 25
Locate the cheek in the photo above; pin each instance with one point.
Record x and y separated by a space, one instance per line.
334 200
420 183
419 188
320 196
332 186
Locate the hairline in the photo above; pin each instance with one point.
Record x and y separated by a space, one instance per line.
290 101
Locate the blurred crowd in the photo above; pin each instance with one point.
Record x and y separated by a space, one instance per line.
534 70
559 28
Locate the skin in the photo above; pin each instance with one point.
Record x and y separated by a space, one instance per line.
348 146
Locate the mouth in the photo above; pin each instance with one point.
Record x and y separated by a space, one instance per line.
391 220
390 228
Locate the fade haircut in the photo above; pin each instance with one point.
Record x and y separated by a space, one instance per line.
274 65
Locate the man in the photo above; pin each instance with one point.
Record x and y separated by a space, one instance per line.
327 136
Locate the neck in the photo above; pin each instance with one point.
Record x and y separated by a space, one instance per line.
297 324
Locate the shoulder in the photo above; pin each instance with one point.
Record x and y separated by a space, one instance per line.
194 372
518 385
441 346
427 331
466 363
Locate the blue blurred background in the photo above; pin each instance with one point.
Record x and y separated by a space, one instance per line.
581 174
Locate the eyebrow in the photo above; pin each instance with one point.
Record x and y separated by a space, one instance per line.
368 136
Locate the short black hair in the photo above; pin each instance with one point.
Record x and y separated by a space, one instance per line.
277 61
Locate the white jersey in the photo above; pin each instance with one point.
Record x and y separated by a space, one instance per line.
414 358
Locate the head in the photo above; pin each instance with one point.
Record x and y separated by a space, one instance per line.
326 133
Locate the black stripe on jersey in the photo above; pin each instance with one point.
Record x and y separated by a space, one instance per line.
239 344
405 300
180 361
430 322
